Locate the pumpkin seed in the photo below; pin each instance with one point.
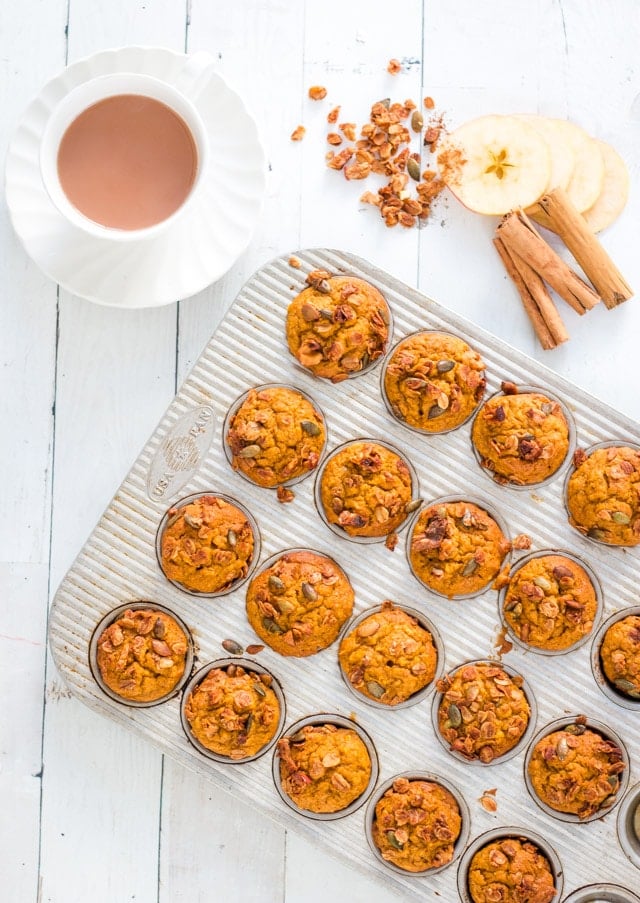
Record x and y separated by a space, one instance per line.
276 585
323 287
413 505
413 168
543 583
259 688
386 102
613 780
470 568
270 626
562 749
417 121
254 648
232 539
298 737
310 428
455 715
375 689
249 451
625 686
193 522
546 408
619 517
445 366
309 592
326 313
596 533
232 647
393 840
434 411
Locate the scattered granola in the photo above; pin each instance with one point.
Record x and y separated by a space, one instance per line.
394 67
332 115
317 92
298 133
295 263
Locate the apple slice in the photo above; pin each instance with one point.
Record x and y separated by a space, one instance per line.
587 177
562 155
615 190
495 164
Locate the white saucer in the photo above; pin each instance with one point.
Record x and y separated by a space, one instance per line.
191 253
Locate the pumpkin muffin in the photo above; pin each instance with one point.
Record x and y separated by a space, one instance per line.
388 656
299 604
206 545
323 768
365 489
521 438
456 548
275 436
575 770
550 603
141 655
512 870
603 495
620 655
483 712
337 326
433 381
416 824
233 712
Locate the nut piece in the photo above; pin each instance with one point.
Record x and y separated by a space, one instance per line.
317 92
298 133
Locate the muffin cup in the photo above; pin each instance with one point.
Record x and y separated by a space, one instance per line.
523 834
608 734
459 844
109 619
419 695
628 825
524 739
335 528
522 389
256 543
617 696
339 721
610 443
385 398
486 506
250 666
233 411
594 582
602 893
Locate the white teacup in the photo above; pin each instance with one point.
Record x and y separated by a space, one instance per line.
179 98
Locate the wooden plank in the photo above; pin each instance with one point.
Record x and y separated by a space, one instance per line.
102 786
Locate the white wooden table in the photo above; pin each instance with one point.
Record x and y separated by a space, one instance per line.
88 812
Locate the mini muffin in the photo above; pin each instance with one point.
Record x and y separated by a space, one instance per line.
512 871
365 489
299 604
324 768
434 381
141 655
276 435
603 495
575 770
521 438
389 656
620 655
233 712
337 326
550 603
206 545
416 825
456 548
483 712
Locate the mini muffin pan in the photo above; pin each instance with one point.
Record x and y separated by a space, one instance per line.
118 566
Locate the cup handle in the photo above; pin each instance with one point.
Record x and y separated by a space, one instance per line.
195 73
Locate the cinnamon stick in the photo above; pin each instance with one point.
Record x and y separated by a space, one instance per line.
540 309
556 212
520 236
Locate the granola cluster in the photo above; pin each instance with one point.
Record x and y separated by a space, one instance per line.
416 825
512 870
324 768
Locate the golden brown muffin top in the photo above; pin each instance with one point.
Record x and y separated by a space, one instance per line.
550 602
434 381
457 548
337 326
603 495
276 435
389 656
576 770
620 655
324 768
365 489
233 712
141 655
298 605
521 438
416 825
206 544
483 712
512 871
